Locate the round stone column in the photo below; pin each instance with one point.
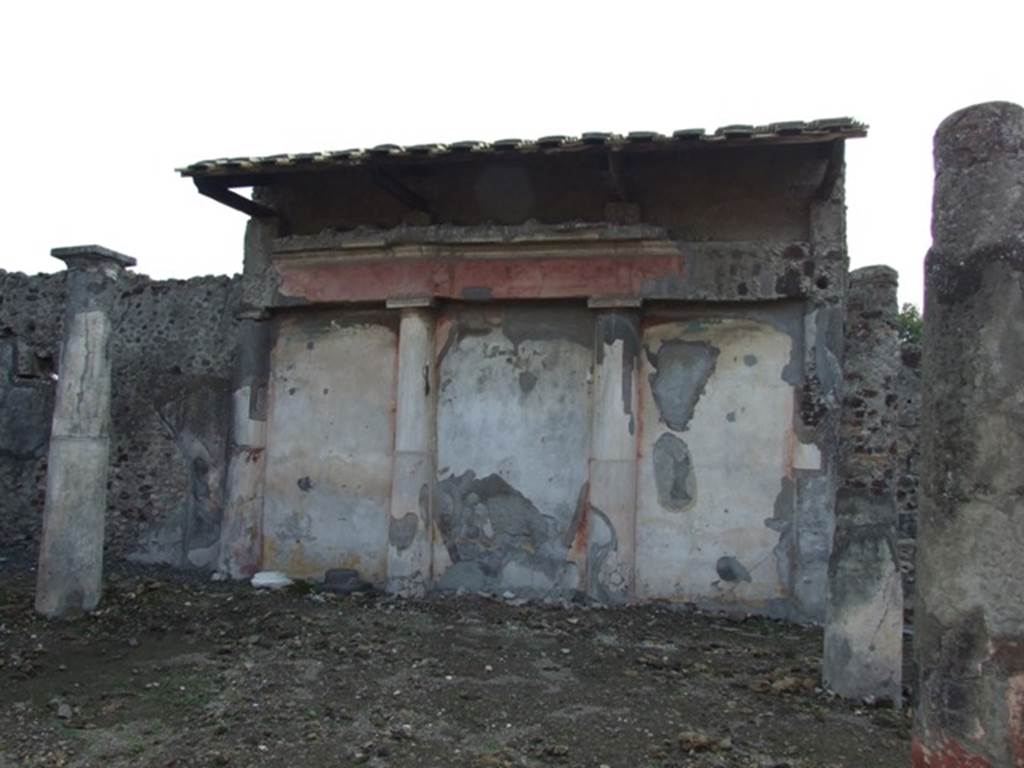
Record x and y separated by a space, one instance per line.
70 573
970 557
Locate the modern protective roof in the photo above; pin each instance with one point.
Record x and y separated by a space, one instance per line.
795 131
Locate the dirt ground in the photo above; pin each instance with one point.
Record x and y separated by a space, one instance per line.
175 672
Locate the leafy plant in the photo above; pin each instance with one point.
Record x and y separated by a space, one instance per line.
911 324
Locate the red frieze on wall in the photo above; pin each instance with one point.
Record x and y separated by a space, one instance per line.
459 278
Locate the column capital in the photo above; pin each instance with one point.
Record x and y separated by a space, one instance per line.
411 302
89 256
614 302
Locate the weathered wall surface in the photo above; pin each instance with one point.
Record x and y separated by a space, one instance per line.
173 345
31 317
716 500
513 423
864 618
969 618
908 457
330 444
698 420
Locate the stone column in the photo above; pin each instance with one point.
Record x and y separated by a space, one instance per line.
969 609
71 554
241 538
806 540
611 523
864 604
413 476
241 532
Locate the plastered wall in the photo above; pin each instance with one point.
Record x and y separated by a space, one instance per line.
330 444
713 518
715 498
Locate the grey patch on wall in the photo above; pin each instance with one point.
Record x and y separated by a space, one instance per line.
787 317
829 326
464 324
520 324
477 293
402 530
782 522
750 360
425 504
197 420
604 541
731 569
673 473
534 323
682 370
617 326
489 524
527 381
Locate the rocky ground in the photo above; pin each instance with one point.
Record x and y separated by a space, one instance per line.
175 672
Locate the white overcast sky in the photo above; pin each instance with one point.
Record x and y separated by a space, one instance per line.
103 100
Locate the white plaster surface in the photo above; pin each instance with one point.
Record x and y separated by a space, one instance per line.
329 446
82 406
740 440
614 427
613 472
412 485
535 438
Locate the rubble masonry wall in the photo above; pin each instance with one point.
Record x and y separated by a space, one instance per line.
173 349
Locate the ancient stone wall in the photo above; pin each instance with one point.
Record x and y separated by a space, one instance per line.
864 627
908 455
173 349
904 392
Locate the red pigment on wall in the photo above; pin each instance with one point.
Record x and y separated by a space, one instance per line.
506 278
946 754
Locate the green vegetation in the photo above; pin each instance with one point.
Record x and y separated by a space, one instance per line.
911 324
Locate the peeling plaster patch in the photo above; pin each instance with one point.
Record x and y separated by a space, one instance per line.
295 526
782 521
785 501
465 575
603 543
503 510
673 473
731 569
613 327
806 456
682 370
488 522
527 381
750 360
424 501
402 531
548 324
